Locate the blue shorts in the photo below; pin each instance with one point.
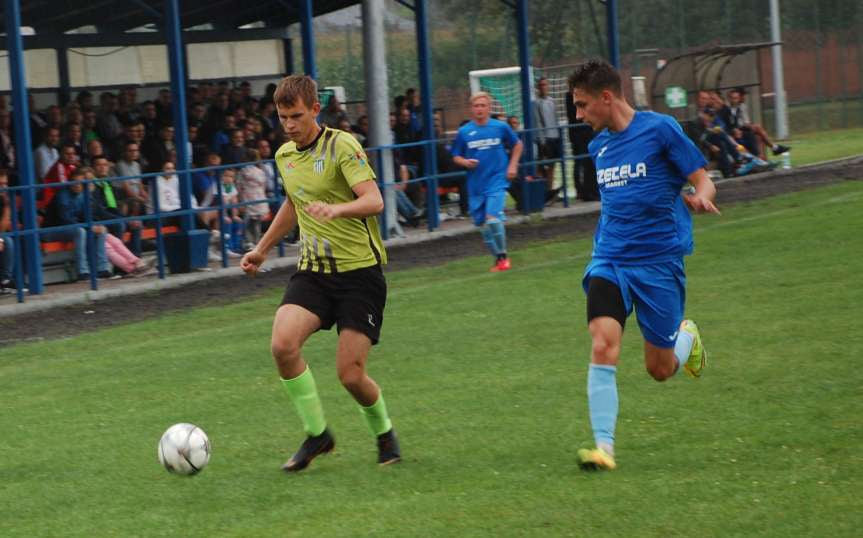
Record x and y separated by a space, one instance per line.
657 291
483 205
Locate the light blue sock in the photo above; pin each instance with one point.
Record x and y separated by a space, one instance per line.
488 237
683 347
602 401
499 234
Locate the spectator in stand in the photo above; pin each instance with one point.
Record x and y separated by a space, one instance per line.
60 172
132 195
106 203
88 127
54 117
269 119
403 133
74 137
107 124
167 187
198 115
197 151
118 254
253 188
274 186
231 196
235 152
204 182
164 109
94 148
583 170
548 137
85 100
362 129
7 244
127 105
332 114
753 133
221 139
446 165
150 119
46 154
158 150
68 208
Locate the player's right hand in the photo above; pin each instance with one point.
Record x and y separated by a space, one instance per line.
252 261
472 163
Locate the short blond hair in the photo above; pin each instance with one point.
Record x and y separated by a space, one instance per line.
480 95
295 88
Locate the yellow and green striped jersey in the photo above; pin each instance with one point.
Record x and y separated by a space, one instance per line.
326 171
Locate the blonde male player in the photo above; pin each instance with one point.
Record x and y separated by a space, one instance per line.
332 195
643 160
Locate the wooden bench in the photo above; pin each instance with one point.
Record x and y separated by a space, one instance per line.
58 257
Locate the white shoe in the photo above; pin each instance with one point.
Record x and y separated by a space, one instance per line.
214 256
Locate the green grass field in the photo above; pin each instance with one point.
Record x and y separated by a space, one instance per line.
819 146
484 375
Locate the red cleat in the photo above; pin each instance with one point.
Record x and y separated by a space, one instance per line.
501 265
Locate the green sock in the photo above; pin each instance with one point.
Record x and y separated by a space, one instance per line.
304 394
376 416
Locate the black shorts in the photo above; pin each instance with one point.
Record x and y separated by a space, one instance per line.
353 299
550 149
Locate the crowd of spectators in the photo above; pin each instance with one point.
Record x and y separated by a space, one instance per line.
120 137
728 138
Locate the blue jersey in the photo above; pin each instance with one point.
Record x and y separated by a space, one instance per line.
488 144
640 172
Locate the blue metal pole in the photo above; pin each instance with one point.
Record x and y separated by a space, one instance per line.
181 130
429 154
308 34
63 75
524 62
613 34
23 153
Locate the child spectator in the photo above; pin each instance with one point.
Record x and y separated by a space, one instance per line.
230 196
253 187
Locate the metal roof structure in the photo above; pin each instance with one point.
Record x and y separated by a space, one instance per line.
711 68
52 18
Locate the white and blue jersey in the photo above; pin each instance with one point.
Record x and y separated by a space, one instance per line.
488 144
640 172
644 227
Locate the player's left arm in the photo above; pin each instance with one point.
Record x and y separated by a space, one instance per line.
517 146
690 162
701 201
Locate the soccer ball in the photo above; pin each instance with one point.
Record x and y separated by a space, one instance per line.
184 449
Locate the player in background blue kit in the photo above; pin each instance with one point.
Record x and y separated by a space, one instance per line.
643 160
481 147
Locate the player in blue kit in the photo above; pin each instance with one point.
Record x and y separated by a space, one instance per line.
481 146
643 160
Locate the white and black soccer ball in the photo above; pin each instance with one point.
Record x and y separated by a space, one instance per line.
184 449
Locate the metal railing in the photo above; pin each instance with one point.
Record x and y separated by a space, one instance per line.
430 182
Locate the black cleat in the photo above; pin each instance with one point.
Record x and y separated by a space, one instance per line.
388 448
311 448
780 149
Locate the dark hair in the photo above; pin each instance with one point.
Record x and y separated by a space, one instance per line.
595 76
